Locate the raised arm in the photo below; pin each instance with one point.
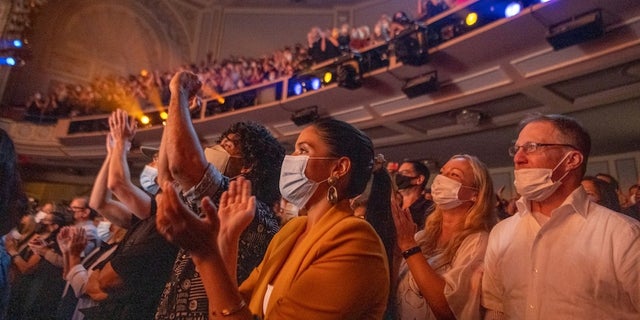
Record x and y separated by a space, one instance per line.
180 151
210 238
431 284
123 130
101 199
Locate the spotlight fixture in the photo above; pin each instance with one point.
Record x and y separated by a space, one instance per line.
303 83
512 9
305 116
349 73
411 46
327 77
423 84
578 29
471 19
145 120
8 44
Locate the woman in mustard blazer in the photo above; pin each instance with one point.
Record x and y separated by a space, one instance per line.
326 264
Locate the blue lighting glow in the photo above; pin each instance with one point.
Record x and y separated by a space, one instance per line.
7 61
297 88
315 83
17 43
512 9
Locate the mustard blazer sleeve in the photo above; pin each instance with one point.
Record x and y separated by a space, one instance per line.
339 271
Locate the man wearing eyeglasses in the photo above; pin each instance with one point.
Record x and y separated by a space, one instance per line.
83 217
560 256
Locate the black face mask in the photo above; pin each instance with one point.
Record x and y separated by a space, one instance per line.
40 228
403 182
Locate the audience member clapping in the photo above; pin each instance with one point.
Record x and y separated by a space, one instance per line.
38 286
245 149
311 256
441 276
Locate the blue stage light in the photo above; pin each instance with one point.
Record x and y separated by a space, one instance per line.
7 61
512 9
17 43
315 83
297 88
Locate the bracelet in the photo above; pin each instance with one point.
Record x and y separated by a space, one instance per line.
228 312
411 251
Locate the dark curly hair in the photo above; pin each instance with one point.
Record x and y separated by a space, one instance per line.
263 154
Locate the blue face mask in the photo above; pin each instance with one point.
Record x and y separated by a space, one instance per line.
295 187
148 179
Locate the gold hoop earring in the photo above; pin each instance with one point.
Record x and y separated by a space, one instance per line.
332 193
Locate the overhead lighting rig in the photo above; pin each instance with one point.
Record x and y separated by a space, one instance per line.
305 116
578 29
422 84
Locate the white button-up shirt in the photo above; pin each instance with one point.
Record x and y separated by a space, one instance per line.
583 263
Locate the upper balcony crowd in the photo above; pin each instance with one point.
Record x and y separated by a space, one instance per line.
150 88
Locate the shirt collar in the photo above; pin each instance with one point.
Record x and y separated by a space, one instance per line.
578 201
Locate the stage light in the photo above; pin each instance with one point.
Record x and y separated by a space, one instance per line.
303 83
7 61
410 45
423 84
328 76
7 44
575 30
512 9
305 116
11 61
544 1
297 88
315 83
471 19
164 115
349 74
144 120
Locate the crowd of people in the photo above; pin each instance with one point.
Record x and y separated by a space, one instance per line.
243 231
240 230
150 89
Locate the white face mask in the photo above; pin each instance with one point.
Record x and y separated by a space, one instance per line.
148 179
218 157
39 216
295 187
104 231
536 184
444 192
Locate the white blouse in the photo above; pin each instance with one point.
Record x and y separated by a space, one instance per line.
462 277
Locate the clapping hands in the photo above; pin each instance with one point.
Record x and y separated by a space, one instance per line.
72 240
200 235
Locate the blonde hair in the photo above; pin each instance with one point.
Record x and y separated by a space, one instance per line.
481 216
